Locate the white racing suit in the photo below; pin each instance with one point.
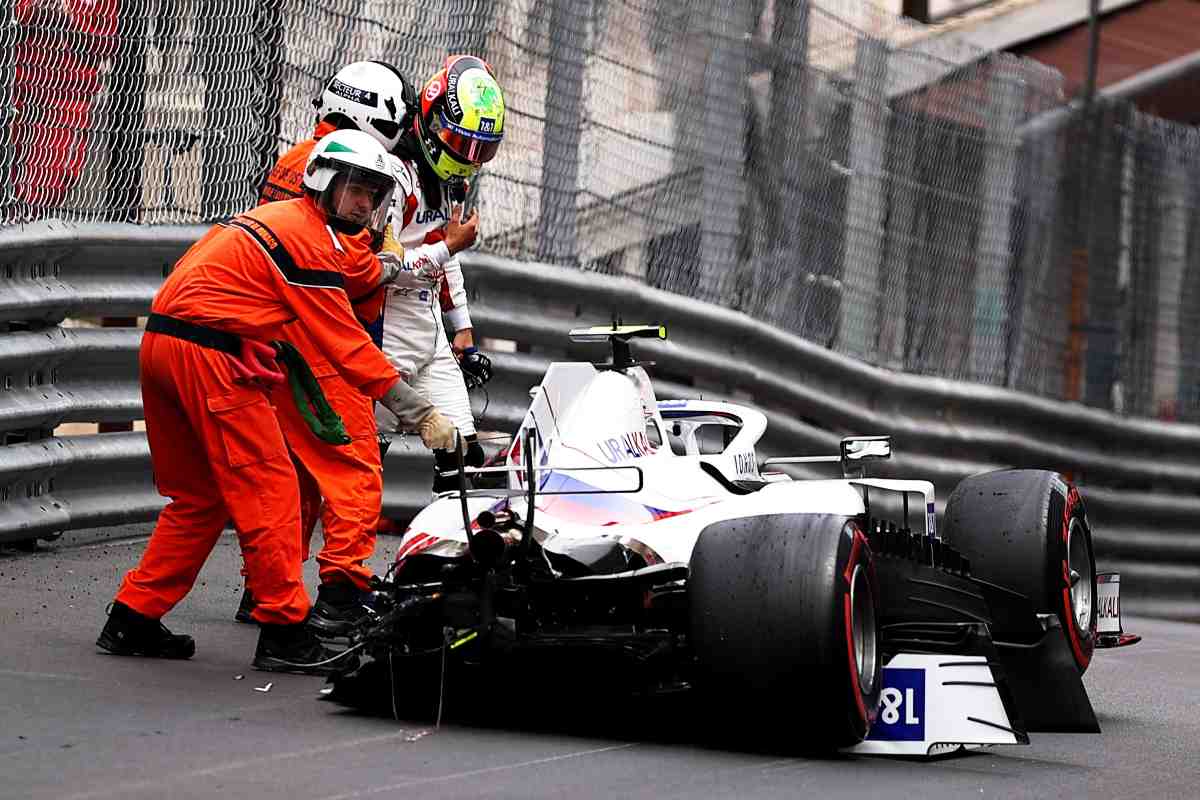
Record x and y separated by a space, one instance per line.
414 338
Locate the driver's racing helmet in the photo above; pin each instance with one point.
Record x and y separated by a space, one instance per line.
374 96
348 174
461 120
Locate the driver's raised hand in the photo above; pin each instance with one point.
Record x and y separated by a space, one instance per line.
459 234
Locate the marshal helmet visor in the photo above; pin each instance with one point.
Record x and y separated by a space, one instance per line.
359 196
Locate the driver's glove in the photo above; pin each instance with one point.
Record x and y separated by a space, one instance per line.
476 367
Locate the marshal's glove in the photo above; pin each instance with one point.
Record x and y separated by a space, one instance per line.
437 432
422 272
476 367
417 413
256 365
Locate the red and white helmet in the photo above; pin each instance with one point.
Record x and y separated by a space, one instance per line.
461 120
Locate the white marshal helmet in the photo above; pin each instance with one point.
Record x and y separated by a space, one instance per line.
374 96
348 173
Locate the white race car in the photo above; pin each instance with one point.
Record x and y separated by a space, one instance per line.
643 541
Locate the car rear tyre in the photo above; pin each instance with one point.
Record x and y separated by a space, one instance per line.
1027 530
784 612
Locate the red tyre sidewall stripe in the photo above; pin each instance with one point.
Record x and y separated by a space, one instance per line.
1082 658
857 546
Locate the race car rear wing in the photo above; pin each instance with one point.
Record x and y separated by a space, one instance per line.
1109 632
904 488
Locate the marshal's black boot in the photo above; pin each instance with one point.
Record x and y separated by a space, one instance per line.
339 607
245 607
128 633
295 648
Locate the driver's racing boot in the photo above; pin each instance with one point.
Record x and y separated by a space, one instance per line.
339 607
295 648
128 633
447 461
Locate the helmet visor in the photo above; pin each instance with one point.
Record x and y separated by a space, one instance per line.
470 147
359 197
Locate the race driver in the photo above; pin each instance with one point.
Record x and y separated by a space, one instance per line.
215 443
457 128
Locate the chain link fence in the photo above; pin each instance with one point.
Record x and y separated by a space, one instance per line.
809 164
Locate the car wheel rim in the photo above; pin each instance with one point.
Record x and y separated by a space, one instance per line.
862 629
1079 573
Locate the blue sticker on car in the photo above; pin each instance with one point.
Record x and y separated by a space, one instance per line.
901 715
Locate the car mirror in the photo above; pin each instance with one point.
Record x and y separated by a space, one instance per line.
858 448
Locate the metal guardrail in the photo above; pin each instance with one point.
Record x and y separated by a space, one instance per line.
51 270
1141 478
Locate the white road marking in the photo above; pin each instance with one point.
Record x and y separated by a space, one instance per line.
110 543
473 772
54 676
123 789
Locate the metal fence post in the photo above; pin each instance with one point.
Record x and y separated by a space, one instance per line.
212 19
232 120
269 55
557 229
1144 269
1172 265
1103 227
787 124
9 30
775 172
127 114
723 148
896 310
1040 247
1189 306
994 246
863 252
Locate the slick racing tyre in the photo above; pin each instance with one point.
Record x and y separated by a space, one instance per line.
1026 530
783 625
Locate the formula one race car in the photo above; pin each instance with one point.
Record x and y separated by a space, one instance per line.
640 547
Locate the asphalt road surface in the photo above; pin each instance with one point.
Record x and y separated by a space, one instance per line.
77 724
